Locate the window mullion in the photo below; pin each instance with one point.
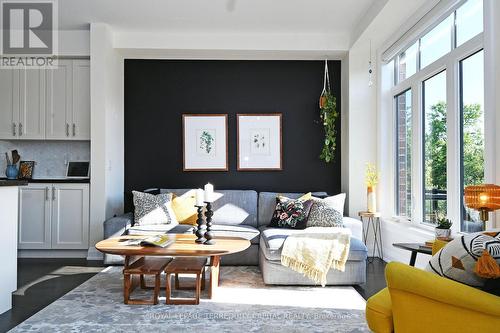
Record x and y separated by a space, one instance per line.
453 144
417 152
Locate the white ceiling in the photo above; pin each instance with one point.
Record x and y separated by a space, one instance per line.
227 16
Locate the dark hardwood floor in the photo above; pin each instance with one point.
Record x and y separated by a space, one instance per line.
375 279
42 281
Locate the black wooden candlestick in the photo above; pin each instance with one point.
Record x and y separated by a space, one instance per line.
199 230
209 234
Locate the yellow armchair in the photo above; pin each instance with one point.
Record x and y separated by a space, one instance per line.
420 301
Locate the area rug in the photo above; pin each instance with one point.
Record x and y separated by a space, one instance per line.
243 303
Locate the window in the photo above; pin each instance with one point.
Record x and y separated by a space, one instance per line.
472 132
440 123
436 43
435 146
469 20
408 62
463 24
404 154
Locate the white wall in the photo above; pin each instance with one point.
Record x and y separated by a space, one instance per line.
365 115
106 191
74 42
231 41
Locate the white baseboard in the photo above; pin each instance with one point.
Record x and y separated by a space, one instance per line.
52 253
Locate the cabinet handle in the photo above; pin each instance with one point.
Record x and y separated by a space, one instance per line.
53 193
74 129
47 194
14 129
67 129
20 129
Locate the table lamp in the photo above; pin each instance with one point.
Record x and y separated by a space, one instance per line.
485 198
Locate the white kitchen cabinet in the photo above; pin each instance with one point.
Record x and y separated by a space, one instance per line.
9 106
51 104
59 103
31 124
68 101
34 217
80 127
70 216
54 216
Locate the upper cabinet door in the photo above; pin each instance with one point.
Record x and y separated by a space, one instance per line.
59 101
80 127
32 104
9 104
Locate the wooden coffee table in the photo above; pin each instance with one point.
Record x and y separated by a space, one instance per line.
184 246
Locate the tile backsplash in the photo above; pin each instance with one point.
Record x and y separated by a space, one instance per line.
50 156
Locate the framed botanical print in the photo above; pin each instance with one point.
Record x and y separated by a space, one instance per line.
259 142
205 142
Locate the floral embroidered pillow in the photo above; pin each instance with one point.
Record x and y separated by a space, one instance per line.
291 213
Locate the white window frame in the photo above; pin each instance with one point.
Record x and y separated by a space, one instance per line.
450 63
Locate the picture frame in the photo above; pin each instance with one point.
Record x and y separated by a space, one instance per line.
205 142
259 143
26 169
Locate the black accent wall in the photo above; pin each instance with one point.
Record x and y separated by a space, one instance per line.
158 92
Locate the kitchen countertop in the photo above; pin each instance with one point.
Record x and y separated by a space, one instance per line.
48 180
13 182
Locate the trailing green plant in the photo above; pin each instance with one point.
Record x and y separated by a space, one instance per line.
328 114
443 223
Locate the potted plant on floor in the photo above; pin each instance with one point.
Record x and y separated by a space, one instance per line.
442 229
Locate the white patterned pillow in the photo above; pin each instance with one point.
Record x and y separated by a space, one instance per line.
336 202
153 209
457 260
323 215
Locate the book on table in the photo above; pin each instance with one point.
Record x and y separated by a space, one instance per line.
155 240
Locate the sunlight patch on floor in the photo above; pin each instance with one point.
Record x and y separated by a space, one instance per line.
66 270
331 297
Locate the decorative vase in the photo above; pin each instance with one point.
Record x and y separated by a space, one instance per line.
371 197
442 233
11 171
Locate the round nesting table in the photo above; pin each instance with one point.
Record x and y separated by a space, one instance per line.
183 246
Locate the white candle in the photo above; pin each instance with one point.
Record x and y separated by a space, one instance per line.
199 197
209 192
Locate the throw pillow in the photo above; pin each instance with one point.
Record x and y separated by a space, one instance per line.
336 202
470 259
323 215
152 209
290 213
184 208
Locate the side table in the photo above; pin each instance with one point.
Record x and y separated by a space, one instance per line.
373 220
414 248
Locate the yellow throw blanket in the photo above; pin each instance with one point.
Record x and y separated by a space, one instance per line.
316 252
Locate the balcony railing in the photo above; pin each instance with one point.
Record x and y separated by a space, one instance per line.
434 204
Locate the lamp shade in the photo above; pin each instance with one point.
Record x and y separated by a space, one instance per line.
482 197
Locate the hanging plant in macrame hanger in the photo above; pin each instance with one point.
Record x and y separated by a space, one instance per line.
328 115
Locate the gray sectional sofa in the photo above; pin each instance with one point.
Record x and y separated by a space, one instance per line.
246 213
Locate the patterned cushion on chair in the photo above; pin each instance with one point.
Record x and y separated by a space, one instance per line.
459 259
